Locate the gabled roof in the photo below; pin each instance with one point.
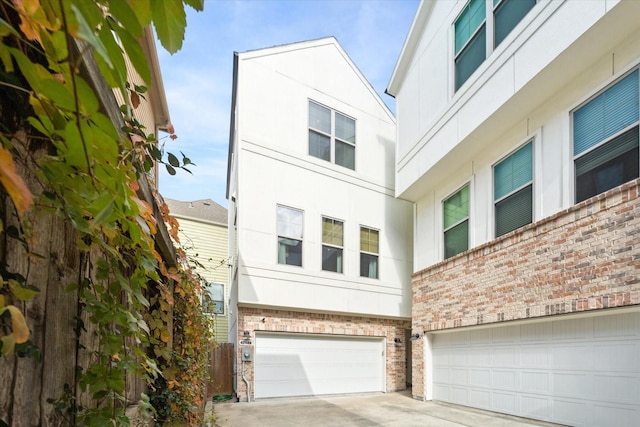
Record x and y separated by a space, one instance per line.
409 47
290 47
204 210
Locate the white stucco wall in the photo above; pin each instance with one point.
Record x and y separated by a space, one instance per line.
557 57
273 165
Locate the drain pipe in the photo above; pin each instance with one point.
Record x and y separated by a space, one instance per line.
247 384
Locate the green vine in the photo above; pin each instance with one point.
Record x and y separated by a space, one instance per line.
136 314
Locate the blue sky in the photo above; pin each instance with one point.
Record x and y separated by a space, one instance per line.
197 79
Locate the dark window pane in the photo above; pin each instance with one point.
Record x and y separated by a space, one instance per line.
319 117
319 146
345 128
608 166
507 16
331 259
514 211
345 155
289 251
456 239
471 57
369 265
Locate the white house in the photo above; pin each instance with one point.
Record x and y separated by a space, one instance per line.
321 265
518 143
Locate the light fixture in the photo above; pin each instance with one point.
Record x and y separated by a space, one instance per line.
397 340
247 334
415 336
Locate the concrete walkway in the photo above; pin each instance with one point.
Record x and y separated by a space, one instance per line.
364 410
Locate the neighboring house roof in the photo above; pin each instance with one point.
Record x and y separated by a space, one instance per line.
204 210
283 49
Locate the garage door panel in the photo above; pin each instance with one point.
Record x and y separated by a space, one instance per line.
618 388
582 371
540 332
535 382
535 357
574 357
537 407
504 402
480 398
504 379
618 356
303 365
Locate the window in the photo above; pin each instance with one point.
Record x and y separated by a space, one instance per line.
289 236
332 244
513 190
332 136
456 223
471 32
605 139
213 298
369 249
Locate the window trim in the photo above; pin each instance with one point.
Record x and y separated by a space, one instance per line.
468 219
278 205
224 298
531 140
377 255
323 244
603 88
333 138
490 37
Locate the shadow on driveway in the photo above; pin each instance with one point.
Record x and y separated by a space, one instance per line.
363 410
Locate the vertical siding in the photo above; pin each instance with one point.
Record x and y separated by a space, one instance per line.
206 242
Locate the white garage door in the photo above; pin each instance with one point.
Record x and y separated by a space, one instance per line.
305 365
580 372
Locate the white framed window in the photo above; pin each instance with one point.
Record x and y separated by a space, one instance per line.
513 190
332 244
456 222
369 252
473 24
213 298
332 136
605 138
290 233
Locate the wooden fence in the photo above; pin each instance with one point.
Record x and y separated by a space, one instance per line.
220 370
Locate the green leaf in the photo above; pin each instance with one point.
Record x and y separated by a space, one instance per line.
86 33
170 21
121 10
75 153
196 4
6 29
20 292
142 9
58 94
104 213
135 53
173 160
170 169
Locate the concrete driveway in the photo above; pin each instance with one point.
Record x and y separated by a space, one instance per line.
364 410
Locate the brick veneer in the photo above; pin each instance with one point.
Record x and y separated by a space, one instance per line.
251 319
586 257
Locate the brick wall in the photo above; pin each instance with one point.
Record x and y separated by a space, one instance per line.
251 319
586 257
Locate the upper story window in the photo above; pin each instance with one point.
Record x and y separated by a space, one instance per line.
289 226
472 25
332 244
369 250
605 138
456 223
332 136
214 302
513 190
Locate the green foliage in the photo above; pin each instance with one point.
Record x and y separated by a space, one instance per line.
145 315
